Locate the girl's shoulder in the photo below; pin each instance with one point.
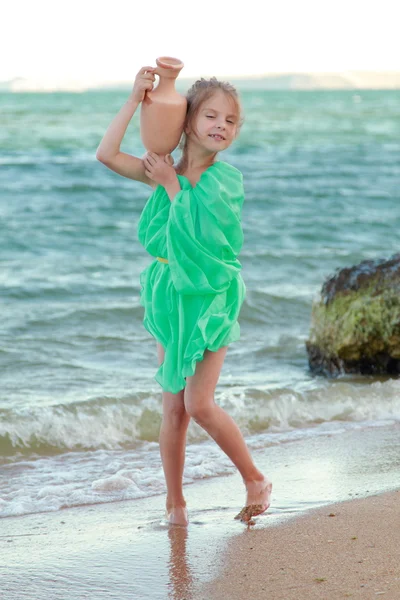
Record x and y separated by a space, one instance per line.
225 181
228 172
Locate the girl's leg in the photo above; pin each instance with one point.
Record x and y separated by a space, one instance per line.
199 403
172 448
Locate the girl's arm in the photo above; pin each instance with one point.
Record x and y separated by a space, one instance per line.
108 151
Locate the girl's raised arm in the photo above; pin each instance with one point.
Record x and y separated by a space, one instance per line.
109 152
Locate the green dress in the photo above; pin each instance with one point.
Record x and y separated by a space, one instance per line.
192 303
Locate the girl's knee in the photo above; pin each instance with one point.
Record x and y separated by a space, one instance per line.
174 414
199 409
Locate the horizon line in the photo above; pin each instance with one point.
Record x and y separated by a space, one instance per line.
240 75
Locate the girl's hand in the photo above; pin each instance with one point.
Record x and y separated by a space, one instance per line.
168 158
143 83
158 170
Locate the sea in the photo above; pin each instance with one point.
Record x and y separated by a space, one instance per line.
80 410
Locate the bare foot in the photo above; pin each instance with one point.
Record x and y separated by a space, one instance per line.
257 501
177 515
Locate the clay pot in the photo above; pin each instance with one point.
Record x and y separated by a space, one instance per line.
163 110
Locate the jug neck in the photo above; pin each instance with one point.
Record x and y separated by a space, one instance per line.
167 73
167 81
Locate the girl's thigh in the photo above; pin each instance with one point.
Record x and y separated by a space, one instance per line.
173 404
202 384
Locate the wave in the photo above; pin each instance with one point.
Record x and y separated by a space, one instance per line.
47 158
118 423
47 484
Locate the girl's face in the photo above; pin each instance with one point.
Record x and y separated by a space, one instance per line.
216 123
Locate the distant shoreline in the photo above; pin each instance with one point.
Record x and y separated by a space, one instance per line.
347 80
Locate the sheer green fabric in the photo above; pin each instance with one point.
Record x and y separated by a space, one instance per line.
192 303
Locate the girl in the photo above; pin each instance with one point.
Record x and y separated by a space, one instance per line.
193 291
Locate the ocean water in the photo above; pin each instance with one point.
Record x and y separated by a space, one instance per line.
79 408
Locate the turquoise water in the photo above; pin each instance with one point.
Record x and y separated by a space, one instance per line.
322 181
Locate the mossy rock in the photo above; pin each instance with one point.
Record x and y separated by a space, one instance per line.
355 324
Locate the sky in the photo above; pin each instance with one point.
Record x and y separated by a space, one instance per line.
90 41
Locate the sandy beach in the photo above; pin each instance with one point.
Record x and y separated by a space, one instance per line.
345 550
125 550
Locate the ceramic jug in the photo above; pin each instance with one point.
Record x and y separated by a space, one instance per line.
163 110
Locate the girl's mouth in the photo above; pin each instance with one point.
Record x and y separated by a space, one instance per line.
217 137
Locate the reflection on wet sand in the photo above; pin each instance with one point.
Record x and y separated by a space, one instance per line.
180 575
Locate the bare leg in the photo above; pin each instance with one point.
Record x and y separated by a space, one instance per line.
199 403
173 429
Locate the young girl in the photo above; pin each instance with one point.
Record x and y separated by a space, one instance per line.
193 291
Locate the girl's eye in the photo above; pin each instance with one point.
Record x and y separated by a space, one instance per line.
212 117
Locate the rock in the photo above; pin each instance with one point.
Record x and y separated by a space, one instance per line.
355 324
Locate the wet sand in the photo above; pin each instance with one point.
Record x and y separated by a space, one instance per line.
124 550
346 550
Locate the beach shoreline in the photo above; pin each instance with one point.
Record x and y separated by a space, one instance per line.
345 550
126 550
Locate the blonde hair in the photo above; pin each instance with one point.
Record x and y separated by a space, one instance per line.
201 91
